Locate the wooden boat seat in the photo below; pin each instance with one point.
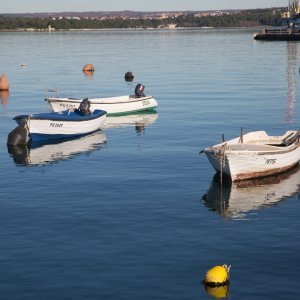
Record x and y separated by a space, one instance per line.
289 140
274 142
250 147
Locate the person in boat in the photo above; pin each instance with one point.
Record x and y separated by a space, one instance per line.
84 107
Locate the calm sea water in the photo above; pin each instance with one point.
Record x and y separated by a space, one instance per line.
134 212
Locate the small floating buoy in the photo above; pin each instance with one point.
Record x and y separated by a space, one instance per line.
88 67
129 76
4 85
217 276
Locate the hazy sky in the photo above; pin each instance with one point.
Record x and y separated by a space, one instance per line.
17 6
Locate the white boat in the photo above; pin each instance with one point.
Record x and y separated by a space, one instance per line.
242 199
42 153
255 154
58 125
113 105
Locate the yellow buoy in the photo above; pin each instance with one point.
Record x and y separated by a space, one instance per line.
218 275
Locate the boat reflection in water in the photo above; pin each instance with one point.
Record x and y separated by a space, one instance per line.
55 150
138 121
237 200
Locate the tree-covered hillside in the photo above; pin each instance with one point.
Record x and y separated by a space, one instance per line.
245 18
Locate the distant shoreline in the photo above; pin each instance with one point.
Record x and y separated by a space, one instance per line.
31 30
206 20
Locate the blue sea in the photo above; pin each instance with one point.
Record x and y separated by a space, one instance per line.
133 211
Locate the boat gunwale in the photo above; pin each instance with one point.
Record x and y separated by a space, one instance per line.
272 151
62 117
272 145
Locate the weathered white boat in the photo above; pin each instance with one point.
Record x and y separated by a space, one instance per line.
242 199
47 152
56 125
255 154
113 105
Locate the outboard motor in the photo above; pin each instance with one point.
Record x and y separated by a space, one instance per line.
139 90
84 107
19 136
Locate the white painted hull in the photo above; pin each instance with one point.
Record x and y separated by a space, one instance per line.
60 125
255 157
113 105
64 127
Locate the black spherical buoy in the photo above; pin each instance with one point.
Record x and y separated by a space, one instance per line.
129 76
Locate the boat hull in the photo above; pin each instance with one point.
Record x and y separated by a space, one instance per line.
113 106
56 125
277 37
278 34
240 166
247 161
